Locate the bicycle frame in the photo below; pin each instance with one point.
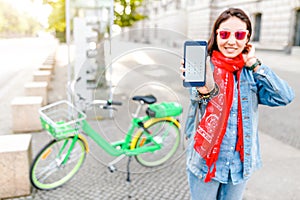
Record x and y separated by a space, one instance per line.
128 146
111 148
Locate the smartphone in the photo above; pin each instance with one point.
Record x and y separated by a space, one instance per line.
195 53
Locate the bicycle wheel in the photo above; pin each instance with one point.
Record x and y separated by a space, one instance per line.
48 170
164 132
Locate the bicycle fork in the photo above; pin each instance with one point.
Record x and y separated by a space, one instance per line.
62 161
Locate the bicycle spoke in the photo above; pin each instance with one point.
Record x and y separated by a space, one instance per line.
45 176
57 164
46 171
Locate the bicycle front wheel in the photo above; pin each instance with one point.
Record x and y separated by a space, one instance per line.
51 169
165 133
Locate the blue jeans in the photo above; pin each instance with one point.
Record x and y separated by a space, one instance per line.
214 190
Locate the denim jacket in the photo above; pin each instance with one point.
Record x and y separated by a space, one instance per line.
260 87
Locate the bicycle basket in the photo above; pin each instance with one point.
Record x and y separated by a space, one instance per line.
61 119
164 109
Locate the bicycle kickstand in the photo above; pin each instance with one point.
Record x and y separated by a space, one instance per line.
128 169
128 178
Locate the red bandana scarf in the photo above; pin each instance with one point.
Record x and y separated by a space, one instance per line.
213 124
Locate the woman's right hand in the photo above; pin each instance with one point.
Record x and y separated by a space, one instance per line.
209 79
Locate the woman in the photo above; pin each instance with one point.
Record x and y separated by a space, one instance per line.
223 147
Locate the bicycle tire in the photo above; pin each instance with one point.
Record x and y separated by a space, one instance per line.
48 171
169 147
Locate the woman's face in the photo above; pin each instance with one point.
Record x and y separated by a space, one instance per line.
232 37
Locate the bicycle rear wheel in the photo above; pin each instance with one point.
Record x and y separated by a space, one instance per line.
48 170
164 132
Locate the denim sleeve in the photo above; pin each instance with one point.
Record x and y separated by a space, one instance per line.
190 120
272 90
194 95
192 111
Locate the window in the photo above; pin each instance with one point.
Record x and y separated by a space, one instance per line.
297 29
257 27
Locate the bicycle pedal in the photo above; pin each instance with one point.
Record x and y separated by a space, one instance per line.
112 168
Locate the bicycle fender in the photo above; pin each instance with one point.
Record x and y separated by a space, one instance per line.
154 120
148 123
86 144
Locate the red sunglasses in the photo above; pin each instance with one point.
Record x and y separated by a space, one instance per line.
239 35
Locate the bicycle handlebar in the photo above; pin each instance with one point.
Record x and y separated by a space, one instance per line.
116 103
106 102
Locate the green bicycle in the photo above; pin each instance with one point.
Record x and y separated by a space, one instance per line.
152 139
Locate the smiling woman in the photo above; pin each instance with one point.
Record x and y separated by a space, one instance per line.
223 147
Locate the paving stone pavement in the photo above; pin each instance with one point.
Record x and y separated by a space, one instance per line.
94 181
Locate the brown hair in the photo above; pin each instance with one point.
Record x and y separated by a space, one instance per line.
230 12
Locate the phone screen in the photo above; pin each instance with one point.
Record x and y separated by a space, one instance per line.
195 59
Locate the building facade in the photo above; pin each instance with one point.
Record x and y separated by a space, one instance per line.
276 24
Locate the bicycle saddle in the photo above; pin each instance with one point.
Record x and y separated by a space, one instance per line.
149 99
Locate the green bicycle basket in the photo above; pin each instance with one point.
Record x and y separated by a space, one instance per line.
61 119
164 109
